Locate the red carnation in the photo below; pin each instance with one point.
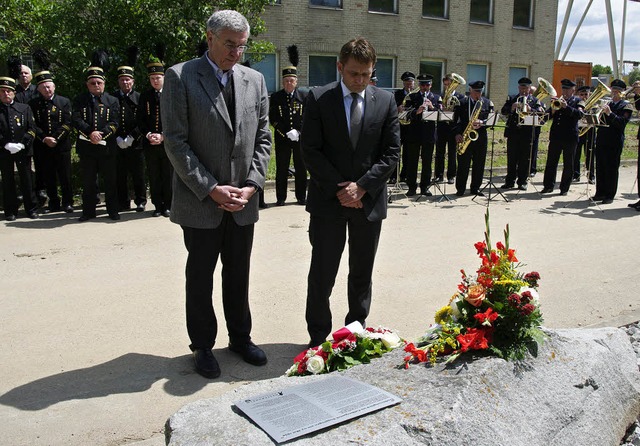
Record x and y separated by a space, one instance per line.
527 309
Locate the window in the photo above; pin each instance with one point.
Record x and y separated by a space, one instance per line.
515 73
523 13
265 64
435 69
481 11
388 6
477 72
435 8
322 70
384 72
326 3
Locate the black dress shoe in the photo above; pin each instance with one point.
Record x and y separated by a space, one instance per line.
250 352
114 216
634 205
206 363
426 193
10 217
597 197
302 202
451 180
592 181
53 209
564 193
166 213
263 205
546 190
507 186
84 218
33 215
576 178
280 203
411 192
607 201
477 193
156 213
315 342
459 193
140 208
68 209
522 187
437 180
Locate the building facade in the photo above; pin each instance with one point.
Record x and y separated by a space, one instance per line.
497 41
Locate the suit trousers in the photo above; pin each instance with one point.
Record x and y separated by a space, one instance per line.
519 146
414 151
58 170
568 148
328 237
160 176
131 164
102 161
475 155
585 145
445 144
284 149
232 243
607 164
9 192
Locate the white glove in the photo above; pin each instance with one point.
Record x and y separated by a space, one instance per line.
14 147
293 135
121 142
128 141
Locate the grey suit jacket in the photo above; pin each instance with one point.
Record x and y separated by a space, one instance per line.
204 148
331 159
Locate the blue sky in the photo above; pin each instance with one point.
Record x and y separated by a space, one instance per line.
592 42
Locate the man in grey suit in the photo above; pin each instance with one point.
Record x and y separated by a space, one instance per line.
351 145
216 130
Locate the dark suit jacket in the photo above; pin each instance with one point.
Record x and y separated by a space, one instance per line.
203 145
281 115
420 131
52 119
128 124
17 127
102 117
149 115
331 159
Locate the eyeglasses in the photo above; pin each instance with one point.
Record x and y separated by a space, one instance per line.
231 47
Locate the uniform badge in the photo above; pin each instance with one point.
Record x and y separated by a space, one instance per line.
18 122
53 109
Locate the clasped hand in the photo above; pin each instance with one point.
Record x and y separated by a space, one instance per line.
350 195
231 198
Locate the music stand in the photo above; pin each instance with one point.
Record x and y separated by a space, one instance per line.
443 116
492 121
396 188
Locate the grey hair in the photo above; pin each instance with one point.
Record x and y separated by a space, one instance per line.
228 19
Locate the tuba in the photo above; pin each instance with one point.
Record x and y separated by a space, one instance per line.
470 134
404 117
593 107
449 100
544 89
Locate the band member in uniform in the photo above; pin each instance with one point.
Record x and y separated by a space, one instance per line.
446 141
408 83
476 152
130 158
585 144
636 99
17 131
52 114
421 136
563 137
95 117
150 125
519 137
609 142
285 114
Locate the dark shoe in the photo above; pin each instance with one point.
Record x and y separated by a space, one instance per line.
156 213
477 193
84 218
411 193
280 203
114 216
140 208
206 363
564 194
166 213
451 180
392 180
634 205
33 215
507 186
576 178
426 193
68 209
302 202
250 352
263 205
522 187
546 190
10 217
315 342
597 197
592 181
607 201
533 174
459 193
437 180
125 207
53 209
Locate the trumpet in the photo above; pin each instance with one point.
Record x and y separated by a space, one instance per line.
556 104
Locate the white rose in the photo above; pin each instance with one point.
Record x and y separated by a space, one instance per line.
391 340
315 364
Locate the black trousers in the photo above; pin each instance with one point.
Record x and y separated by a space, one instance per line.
585 145
556 147
328 236
414 151
232 243
9 192
160 176
445 144
131 164
607 165
103 162
39 164
284 149
534 149
476 155
638 171
519 155
57 170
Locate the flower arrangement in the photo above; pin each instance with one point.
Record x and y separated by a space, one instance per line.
496 311
349 346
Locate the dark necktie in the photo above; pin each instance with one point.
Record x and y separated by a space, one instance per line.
355 120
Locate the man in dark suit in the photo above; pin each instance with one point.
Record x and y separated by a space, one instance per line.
351 144
285 114
52 114
215 118
408 82
563 138
95 117
421 135
636 99
130 158
17 131
150 124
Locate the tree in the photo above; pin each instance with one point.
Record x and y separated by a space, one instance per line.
601 69
71 30
634 75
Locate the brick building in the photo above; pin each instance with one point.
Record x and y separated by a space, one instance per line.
497 41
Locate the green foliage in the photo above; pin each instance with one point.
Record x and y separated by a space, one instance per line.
634 75
601 69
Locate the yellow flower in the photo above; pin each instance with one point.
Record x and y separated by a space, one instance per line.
443 314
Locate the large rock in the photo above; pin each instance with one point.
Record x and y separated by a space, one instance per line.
582 389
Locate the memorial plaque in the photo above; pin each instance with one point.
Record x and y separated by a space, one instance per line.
306 408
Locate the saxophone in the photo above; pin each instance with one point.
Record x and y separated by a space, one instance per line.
470 134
